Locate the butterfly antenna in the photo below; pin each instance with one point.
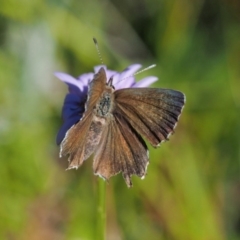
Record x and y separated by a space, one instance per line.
98 51
143 70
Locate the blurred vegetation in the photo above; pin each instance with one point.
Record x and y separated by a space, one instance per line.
192 190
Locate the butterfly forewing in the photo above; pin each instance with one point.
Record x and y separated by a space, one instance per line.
96 88
152 112
82 139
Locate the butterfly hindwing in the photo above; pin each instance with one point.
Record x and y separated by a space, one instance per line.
121 149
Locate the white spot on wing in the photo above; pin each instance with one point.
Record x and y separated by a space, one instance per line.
99 175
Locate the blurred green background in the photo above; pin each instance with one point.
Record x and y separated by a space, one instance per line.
192 190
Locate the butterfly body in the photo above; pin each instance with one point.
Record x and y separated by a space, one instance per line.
113 125
105 105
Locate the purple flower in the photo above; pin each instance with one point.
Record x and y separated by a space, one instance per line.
74 103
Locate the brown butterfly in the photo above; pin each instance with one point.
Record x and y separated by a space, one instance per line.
114 123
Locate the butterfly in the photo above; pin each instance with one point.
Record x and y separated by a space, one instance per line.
114 124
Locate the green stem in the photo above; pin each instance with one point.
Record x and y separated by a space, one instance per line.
101 209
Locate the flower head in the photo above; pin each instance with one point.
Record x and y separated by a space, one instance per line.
74 103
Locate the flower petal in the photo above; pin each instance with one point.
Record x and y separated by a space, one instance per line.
73 106
86 78
129 71
145 82
124 83
73 84
126 78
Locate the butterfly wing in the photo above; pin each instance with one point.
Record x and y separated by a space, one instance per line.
96 88
152 112
121 149
82 138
